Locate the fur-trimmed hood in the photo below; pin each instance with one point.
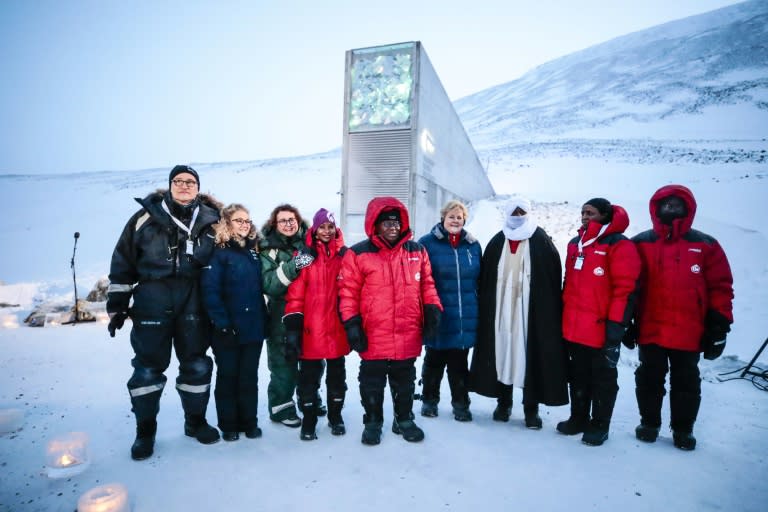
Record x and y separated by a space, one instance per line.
209 209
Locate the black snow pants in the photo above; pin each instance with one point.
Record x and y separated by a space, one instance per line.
167 314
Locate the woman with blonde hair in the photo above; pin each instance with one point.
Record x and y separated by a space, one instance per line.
233 297
455 256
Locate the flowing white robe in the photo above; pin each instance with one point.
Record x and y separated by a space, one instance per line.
511 323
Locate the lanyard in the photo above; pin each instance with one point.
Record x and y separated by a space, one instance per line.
589 242
187 230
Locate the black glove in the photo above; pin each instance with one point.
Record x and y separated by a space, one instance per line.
716 328
614 333
116 322
224 337
355 334
629 339
432 316
294 325
302 260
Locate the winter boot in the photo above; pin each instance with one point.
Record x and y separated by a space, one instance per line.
579 419
646 433
230 436
604 393
532 418
402 388
196 426
649 402
335 421
408 429
144 445
503 404
683 440
459 397
373 417
461 411
596 433
308 423
372 432
430 391
684 408
253 432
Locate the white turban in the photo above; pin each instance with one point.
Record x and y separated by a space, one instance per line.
518 227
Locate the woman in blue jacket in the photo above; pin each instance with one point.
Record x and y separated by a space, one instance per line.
233 297
455 256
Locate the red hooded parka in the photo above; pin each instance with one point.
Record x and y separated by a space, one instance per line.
388 287
685 273
601 289
315 294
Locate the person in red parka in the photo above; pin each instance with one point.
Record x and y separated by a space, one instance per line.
313 330
388 302
601 272
684 307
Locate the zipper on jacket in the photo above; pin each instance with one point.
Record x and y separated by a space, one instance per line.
458 282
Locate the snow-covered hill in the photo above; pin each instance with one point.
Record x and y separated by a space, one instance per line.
695 89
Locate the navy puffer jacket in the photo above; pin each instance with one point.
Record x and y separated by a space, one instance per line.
456 273
232 291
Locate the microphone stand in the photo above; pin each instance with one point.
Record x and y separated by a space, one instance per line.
74 279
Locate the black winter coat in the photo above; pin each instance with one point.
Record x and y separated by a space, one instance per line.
153 248
546 379
232 292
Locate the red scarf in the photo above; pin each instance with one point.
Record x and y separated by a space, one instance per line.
513 245
454 239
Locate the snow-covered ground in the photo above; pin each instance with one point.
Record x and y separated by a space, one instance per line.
72 378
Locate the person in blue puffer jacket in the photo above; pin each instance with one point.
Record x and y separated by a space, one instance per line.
455 256
234 300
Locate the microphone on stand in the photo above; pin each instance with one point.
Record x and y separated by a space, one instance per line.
74 279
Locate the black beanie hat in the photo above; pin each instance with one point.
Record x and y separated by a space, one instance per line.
388 215
601 205
179 169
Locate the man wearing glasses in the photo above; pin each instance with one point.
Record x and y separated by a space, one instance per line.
157 261
388 303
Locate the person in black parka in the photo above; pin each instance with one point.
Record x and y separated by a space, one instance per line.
235 303
157 263
519 334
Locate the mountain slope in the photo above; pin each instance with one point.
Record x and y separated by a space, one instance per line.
712 67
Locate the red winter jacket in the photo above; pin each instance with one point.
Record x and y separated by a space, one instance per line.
601 289
388 287
315 293
685 274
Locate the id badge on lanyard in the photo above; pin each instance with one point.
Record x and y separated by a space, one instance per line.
579 262
190 247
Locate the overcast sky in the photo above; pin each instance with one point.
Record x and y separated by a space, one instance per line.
113 85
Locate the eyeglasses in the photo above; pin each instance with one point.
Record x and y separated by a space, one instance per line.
286 222
184 183
390 224
240 222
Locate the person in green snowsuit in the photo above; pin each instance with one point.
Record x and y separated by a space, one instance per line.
283 254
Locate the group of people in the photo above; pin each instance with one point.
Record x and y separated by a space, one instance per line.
192 274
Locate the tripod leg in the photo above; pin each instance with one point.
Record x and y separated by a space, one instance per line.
752 362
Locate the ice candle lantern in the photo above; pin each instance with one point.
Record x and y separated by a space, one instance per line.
67 455
105 498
